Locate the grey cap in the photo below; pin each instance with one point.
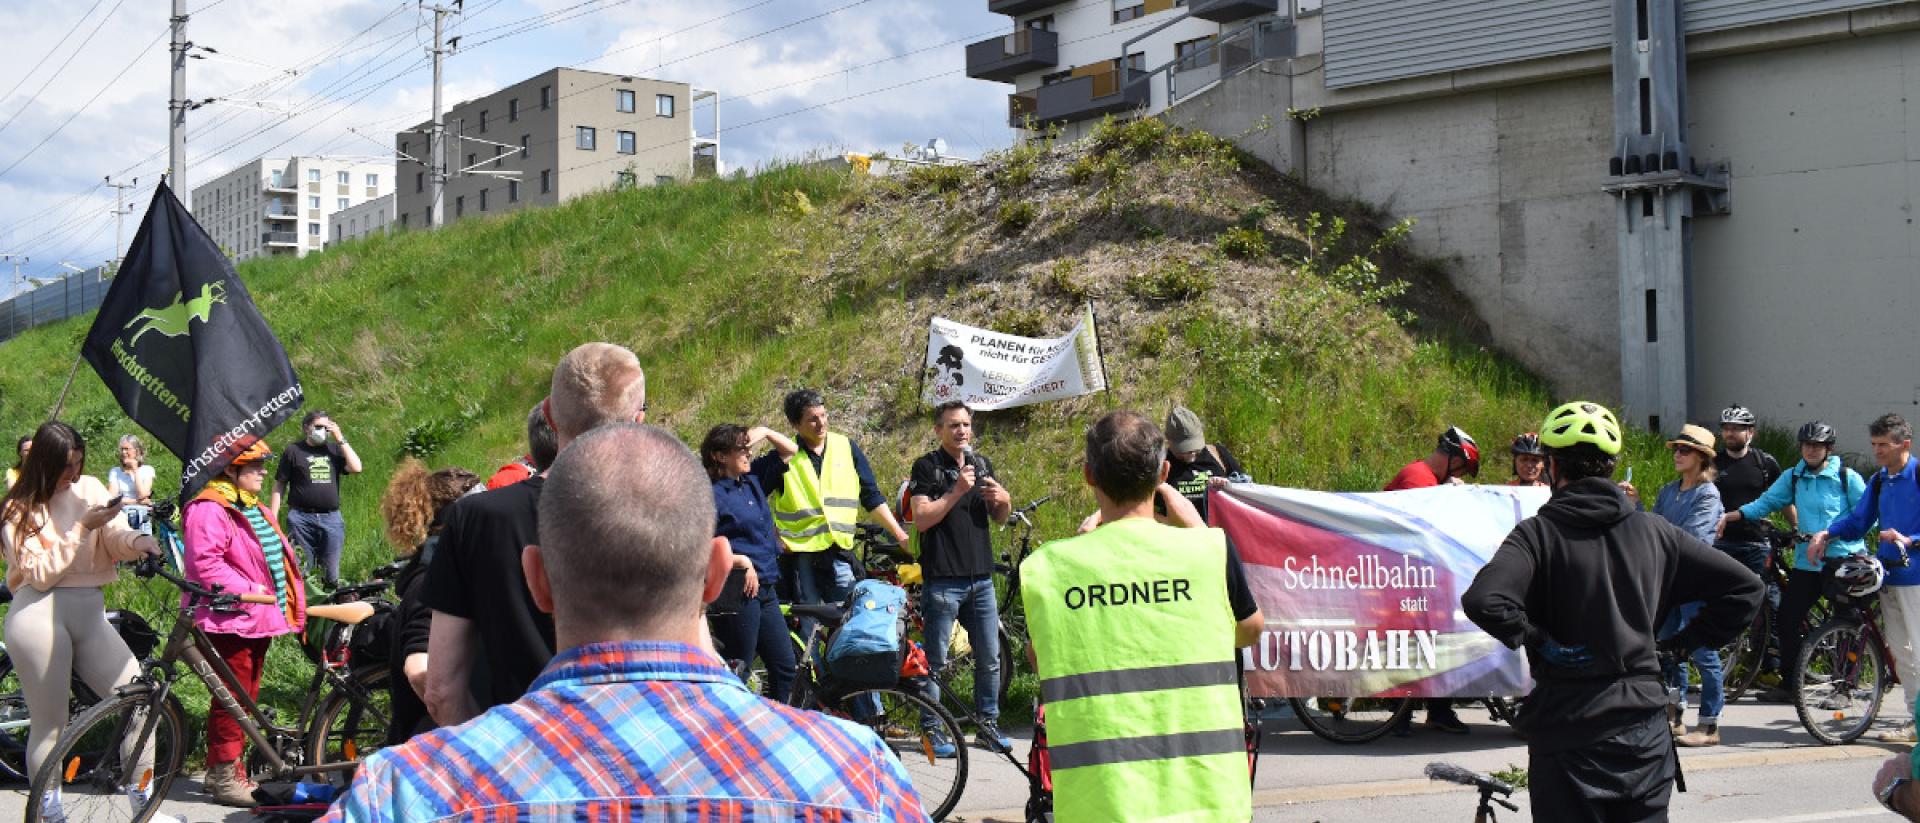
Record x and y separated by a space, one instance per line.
1184 432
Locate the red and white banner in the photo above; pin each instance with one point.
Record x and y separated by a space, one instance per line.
1362 591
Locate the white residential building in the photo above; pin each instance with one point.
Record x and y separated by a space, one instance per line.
372 217
1072 62
281 205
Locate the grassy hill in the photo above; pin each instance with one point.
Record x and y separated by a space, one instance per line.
1317 350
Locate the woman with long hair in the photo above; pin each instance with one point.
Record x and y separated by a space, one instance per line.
232 542
62 532
413 505
744 518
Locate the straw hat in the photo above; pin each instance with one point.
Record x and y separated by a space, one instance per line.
1694 437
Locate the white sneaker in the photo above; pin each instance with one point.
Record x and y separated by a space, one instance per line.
50 809
137 798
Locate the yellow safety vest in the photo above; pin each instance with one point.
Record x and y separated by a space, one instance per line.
815 512
1135 639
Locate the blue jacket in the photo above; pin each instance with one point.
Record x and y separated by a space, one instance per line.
1695 510
1897 507
1820 497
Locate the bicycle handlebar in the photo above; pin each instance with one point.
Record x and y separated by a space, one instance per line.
212 597
1020 516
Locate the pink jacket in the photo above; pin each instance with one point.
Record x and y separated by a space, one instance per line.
222 550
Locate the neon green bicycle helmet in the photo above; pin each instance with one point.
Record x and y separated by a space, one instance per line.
1581 422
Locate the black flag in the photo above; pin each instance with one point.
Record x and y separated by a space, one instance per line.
181 346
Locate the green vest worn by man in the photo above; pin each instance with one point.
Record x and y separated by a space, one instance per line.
815 511
1135 639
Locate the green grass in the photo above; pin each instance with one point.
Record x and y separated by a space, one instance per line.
732 293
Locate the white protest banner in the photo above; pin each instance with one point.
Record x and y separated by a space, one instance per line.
988 370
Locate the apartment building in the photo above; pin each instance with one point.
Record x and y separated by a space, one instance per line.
553 137
1072 62
281 205
372 217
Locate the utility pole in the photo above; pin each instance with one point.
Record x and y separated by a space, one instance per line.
120 212
13 298
177 109
437 142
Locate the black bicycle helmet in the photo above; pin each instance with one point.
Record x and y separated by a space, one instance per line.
1459 444
1529 443
1818 432
1736 415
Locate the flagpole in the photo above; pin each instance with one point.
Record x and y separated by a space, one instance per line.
55 414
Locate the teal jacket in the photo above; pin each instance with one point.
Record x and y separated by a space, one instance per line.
1820 497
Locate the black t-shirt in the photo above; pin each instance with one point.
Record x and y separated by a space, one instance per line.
1238 592
312 475
961 544
1190 479
475 574
1742 481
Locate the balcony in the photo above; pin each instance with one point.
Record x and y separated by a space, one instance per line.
1017 7
276 211
280 238
282 186
1231 11
1082 98
1009 56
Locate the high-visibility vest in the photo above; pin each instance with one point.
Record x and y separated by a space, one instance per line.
815 511
1134 635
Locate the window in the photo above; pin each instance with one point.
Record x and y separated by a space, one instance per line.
513 110
626 142
470 156
313 229
483 121
1124 10
483 199
338 230
546 181
663 105
546 97
513 191
526 142
429 220
340 203
624 179
406 220
343 178
373 181
1194 54
583 138
313 175
419 182
623 100
459 205
663 179
1042 23
313 202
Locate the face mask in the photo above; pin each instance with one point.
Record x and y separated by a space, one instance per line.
317 437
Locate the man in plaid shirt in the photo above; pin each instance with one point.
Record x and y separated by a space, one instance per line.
634 718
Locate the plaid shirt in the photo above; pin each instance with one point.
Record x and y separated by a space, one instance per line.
636 731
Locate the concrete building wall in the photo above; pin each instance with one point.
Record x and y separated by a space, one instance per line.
375 216
1502 167
275 205
552 168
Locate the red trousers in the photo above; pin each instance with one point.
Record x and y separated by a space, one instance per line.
247 657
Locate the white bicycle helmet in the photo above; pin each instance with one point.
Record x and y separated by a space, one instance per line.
1858 575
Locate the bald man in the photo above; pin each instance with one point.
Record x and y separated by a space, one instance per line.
634 718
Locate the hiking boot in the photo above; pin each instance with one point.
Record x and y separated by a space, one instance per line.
988 736
1447 722
1674 721
1904 734
1776 694
227 784
1707 735
937 742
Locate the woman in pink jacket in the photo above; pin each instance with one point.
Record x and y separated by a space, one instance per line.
232 542
62 533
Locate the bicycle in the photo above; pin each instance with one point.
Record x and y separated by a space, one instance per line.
1354 720
16 723
901 715
132 744
1744 657
1844 669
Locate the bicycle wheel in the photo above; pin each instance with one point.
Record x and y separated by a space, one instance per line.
1842 678
1350 719
94 767
351 726
960 662
907 723
1503 709
14 723
1743 656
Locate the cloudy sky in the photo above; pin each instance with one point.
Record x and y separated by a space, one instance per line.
86 86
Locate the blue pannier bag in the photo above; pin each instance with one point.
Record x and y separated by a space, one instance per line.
866 650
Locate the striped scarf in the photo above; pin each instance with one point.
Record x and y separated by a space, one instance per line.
263 530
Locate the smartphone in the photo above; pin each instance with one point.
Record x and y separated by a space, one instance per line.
115 501
1629 474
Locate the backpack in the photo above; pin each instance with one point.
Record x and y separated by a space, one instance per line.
867 650
1800 473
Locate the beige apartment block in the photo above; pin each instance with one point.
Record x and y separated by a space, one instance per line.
558 135
281 205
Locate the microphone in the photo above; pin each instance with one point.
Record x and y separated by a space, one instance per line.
966 457
1454 774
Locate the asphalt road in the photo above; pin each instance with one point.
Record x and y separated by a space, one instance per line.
1767 770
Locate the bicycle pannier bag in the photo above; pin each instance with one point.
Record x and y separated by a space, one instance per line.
866 651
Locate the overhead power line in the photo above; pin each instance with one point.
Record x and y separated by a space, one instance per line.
63 67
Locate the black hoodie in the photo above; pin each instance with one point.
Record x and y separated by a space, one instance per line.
1593 570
